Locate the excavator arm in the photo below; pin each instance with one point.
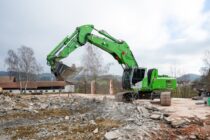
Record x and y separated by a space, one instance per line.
82 35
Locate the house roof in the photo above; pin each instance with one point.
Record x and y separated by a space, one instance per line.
12 85
50 83
7 79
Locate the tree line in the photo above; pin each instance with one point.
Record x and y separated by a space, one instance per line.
22 64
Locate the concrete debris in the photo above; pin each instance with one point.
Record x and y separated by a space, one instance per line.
92 122
168 120
192 137
178 123
95 131
152 108
75 117
34 98
67 117
6 103
182 137
155 116
112 135
143 111
106 118
35 111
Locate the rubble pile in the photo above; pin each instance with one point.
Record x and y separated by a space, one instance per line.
48 117
6 103
74 117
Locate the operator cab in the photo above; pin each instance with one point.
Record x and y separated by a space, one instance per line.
131 76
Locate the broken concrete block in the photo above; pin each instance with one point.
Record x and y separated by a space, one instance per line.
111 135
67 117
34 98
192 137
178 123
92 122
168 119
130 120
152 108
155 116
95 131
143 111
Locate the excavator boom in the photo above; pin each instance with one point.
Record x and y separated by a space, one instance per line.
82 35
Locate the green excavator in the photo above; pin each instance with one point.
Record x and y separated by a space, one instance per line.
137 82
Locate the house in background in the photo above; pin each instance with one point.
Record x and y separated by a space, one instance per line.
9 84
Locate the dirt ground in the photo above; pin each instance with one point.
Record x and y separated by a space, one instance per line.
186 108
86 116
180 107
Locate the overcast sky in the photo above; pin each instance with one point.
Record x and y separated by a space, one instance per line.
161 33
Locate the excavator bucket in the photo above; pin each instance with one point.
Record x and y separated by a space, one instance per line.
63 72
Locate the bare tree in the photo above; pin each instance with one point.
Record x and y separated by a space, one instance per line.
92 62
12 62
206 61
173 70
24 64
205 80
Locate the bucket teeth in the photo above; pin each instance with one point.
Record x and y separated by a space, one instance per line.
124 96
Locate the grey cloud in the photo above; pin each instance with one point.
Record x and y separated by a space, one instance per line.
42 24
189 47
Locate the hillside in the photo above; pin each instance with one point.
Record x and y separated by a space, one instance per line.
188 77
4 73
50 76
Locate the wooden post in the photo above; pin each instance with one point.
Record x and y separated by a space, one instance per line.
111 87
85 87
93 87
